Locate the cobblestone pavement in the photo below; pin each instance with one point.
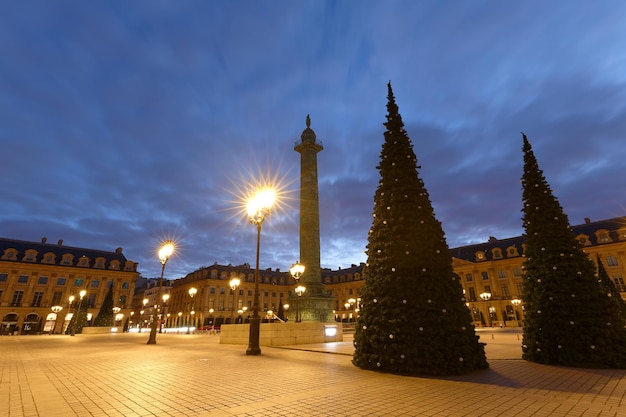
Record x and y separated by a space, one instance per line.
194 375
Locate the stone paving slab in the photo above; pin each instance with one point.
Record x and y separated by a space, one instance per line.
194 375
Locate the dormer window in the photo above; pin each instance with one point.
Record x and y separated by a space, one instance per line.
480 256
603 236
583 240
115 265
622 233
67 259
10 254
99 263
511 251
83 261
496 253
48 258
30 256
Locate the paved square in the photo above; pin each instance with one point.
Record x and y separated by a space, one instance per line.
194 375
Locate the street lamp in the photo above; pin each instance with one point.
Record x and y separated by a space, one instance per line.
165 297
258 207
300 289
80 303
486 296
164 255
234 284
115 311
192 291
56 310
516 302
296 271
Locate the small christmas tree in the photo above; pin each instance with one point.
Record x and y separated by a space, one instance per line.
569 319
413 318
79 318
105 315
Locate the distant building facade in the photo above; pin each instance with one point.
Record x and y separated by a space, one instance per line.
37 276
491 275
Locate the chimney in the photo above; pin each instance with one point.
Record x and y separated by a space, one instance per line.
60 242
118 250
44 239
587 220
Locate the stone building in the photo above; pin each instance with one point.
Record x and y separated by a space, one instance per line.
37 278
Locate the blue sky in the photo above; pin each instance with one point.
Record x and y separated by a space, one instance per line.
126 123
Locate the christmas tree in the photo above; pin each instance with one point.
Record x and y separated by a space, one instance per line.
611 291
413 318
569 318
105 315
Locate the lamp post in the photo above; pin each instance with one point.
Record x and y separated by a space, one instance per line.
258 207
164 255
130 320
165 297
80 303
180 316
516 302
56 310
115 311
300 289
234 284
192 292
486 296
296 271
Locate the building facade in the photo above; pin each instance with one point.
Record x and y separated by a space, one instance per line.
37 280
491 273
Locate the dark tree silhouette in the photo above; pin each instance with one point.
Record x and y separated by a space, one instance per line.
105 315
569 318
413 318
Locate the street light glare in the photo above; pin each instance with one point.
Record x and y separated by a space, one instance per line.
166 251
260 203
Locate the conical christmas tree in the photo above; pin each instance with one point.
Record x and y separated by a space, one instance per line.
413 319
608 287
569 319
105 315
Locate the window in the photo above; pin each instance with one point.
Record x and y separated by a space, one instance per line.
67 260
240 292
4 277
469 277
78 282
603 236
95 283
17 298
23 279
83 261
61 281
212 290
249 293
56 298
122 301
611 260
501 274
485 276
48 258
266 293
42 280
213 274
505 290
472 294
519 287
222 290
480 256
37 299
512 251
517 272
496 253
488 289
91 300
99 263
126 285
619 282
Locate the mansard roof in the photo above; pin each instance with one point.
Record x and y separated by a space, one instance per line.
58 249
589 228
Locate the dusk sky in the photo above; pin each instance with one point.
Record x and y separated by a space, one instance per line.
124 123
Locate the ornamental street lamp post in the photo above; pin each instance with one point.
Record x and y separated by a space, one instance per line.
486 296
192 292
516 302
164 255
296 272
56 310
300 289
165 297
258 208
234 284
